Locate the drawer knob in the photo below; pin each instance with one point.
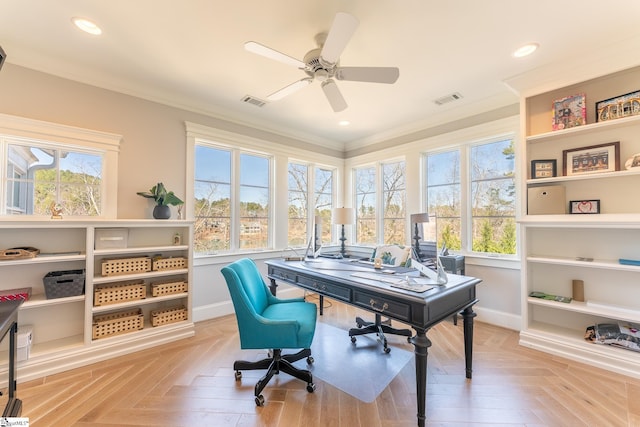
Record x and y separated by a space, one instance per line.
375 305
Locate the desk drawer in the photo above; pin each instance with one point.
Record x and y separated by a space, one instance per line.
327 289
376 303
278 274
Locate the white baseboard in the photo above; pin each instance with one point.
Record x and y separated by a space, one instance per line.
498 318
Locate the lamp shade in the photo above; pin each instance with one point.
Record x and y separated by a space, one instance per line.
419 218
342 216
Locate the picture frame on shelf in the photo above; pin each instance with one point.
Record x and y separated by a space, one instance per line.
592 159
543 168
584 206
618 107
570 111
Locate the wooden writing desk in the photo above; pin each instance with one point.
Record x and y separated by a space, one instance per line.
422 311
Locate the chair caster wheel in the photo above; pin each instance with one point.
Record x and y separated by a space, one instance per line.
387 350
353 339
260 400
238 375
310 360
311 387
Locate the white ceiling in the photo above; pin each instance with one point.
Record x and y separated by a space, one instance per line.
190 54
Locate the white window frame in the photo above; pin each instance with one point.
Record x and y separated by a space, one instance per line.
35 132
466 218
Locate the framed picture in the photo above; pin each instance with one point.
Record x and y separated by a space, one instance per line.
592 159
621 106
584 206
632 162
543 168
569 112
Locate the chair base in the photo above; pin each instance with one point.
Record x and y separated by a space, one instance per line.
377 327
278 362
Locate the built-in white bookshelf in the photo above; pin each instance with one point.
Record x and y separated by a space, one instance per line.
560 248
62 327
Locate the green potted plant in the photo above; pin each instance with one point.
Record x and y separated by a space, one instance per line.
163 199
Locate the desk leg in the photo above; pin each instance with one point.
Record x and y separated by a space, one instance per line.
421 344
273 287
468 315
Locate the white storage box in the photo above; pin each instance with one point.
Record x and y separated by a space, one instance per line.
25 338
111 238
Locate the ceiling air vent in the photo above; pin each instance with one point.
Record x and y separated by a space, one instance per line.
254 101
449 98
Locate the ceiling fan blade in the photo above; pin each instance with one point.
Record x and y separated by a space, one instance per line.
267 52
343 27
368 74
288 90
334 96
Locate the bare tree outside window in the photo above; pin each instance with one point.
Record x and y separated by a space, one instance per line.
394 193
366 200
301 184
212 200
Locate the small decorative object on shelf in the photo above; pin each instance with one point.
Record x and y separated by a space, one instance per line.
577 287
550 297
177 239
632 162
56 210
584 206
592 159
163 199
618 107
543 168
569 112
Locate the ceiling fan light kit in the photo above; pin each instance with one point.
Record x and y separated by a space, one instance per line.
322 63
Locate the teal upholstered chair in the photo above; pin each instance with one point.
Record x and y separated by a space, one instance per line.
267 322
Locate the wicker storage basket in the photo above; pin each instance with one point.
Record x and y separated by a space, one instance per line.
113 293
113 267
60 284
169 263
107 325
167 288
168 315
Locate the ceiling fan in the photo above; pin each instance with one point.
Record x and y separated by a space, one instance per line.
322 63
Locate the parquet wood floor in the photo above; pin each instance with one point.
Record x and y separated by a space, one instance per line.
191 383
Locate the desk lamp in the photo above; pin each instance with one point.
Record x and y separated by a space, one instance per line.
416 219
342 216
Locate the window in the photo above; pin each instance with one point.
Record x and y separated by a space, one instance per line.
66 168
390 200
485 189
304 179
217 211
366 201
393 202
443 197
493 227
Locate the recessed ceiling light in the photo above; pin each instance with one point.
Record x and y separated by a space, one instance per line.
87 26
525 50
344 122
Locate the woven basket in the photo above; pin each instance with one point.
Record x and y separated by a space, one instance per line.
114 267
168 288
117 323
160 264
113 293
168 315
